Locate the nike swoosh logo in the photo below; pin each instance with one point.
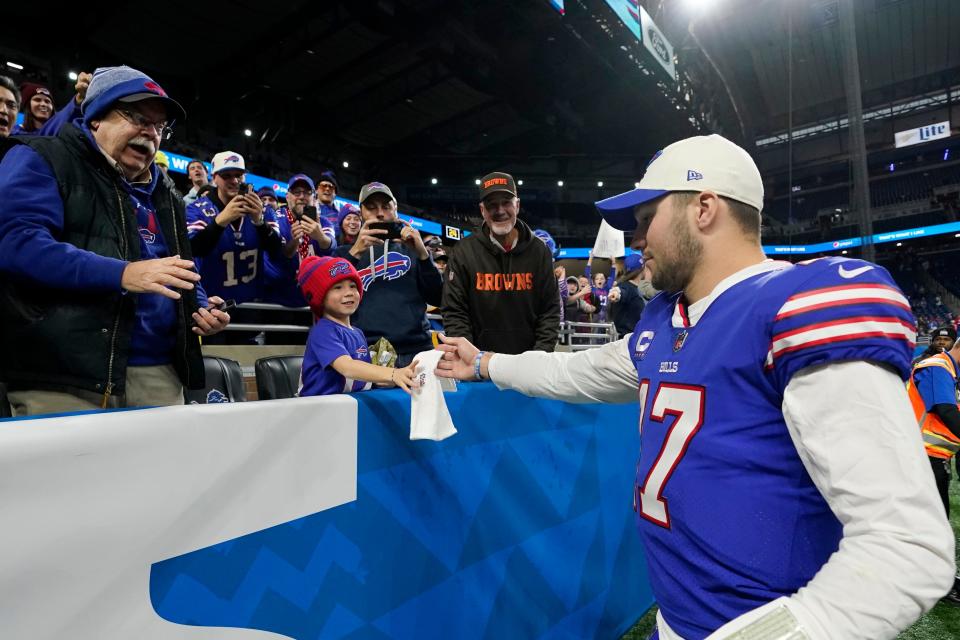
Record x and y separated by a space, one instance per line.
853 273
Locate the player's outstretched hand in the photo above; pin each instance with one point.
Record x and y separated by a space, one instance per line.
406 378
457 360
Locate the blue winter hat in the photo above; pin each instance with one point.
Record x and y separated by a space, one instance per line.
633 262
124 84
331 177
549 241
345 210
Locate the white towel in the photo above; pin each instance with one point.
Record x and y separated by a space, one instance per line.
429 416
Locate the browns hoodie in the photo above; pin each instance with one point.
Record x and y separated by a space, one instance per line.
507 302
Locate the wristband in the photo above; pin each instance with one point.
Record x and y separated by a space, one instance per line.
476 366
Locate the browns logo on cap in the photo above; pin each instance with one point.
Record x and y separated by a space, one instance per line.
497 181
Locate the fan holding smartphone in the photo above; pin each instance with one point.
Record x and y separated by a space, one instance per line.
305 227
399 278
304 233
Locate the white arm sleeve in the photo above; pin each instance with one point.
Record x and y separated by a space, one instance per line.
853 427
605 374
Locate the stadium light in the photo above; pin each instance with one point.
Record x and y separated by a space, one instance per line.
559 183
346 164
14 65
520 182
247 132
73 75
477 181
899 244
433 181
636 185
599 183
844 252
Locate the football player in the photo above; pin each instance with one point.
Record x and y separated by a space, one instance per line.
782 489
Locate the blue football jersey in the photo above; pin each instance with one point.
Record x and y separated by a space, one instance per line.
727 512
234 270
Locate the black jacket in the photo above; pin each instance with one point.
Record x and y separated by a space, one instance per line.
78 342
507 302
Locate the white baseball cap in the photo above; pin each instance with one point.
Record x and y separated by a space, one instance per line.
228 160
700 163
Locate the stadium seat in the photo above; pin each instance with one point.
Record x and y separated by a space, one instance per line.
278 376
224 383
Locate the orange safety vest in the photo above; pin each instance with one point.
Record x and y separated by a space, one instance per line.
939 441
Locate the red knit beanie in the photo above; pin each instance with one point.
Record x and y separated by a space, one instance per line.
317 275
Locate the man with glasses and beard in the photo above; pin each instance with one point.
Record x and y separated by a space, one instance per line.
229 232
99 300
782 488
303 235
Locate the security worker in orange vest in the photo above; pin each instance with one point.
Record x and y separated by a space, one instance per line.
933 394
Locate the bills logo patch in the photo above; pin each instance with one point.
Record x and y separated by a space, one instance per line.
396 266
340 268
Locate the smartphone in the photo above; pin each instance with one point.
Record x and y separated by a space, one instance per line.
243 189
310 212
226 305
393 229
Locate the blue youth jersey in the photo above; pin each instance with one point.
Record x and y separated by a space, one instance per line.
328 341
727 512
234 269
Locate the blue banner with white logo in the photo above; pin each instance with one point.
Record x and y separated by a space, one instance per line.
519 526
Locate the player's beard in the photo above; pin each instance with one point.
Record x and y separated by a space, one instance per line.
672 273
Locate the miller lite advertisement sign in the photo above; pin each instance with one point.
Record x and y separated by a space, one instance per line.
922 134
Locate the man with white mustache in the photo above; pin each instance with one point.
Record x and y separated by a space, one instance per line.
501 292
99 299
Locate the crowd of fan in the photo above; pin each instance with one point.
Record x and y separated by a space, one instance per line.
190 258
222 244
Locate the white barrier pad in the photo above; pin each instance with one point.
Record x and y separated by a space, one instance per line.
89 502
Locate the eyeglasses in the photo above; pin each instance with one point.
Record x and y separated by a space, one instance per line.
162 129
326 186
299 192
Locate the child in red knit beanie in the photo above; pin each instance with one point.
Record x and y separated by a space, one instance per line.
336 359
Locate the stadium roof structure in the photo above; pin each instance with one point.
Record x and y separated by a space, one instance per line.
407 88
